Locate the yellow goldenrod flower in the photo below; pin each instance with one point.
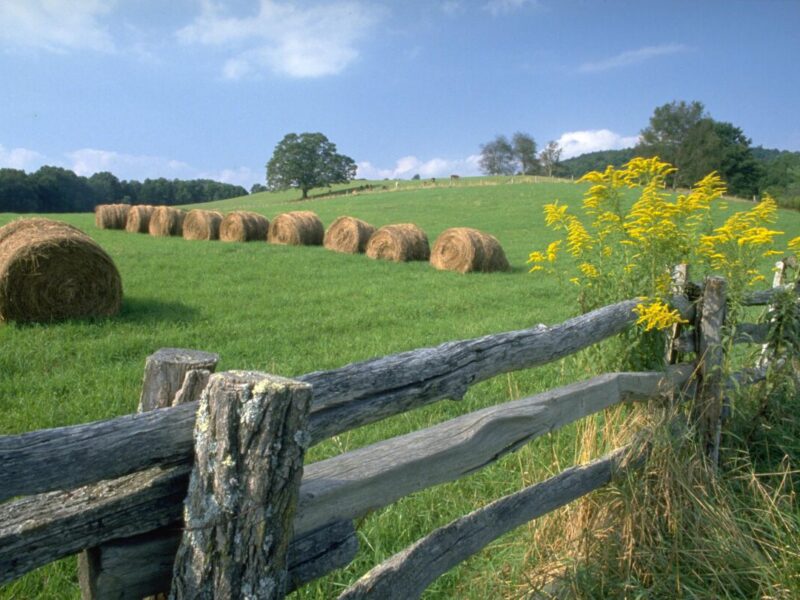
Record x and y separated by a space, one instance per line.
657 315
589 270
794 244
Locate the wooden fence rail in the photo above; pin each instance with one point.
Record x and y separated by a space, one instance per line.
125 503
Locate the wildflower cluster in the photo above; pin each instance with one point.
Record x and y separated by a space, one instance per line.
621 252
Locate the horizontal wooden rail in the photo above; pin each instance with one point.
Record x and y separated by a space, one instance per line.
408 573
39 529
344 398
765 297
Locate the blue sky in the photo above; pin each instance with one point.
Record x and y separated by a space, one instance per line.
204 88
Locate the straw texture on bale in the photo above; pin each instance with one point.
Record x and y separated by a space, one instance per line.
463 249
139 218
111 216
50 270
166 220
243 226
202 225
399 243
348 234
299 228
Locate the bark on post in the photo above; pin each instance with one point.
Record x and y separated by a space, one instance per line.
708 405
171 376
164 372
680 275
250 441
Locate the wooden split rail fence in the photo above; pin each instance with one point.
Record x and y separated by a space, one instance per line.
204 491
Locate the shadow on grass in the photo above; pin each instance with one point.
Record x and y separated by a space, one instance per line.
149 310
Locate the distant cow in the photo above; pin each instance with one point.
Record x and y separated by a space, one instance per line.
454 177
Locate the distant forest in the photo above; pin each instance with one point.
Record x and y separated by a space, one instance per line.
778 173
54 189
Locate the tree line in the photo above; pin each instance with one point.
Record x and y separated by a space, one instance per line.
55 189
681 133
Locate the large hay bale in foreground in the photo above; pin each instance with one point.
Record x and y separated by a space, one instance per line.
348 234
139 218
202 225
299 228
166 220
111 216
464 249
243 226
50 270
399 243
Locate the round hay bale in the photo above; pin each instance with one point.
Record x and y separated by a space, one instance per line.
299 228
243 226
202 225
399 243
165 221
111 216
50 270
348 234
463 249
139 218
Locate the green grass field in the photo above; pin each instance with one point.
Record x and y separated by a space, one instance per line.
291 310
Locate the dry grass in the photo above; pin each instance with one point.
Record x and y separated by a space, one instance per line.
463 249
243 226
298 228
50 270
348 234
399 243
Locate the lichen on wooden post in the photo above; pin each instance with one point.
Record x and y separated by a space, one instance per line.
708 404
250 441
164 372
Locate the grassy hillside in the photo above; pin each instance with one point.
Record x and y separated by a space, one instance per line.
288 311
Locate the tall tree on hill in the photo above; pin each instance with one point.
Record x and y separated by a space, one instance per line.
497 157
670 127
550 156
307 161
525 153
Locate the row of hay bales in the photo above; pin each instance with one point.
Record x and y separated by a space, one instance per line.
460 249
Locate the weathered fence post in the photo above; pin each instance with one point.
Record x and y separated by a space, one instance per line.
250 440
708 404
680 276
164 372
171 376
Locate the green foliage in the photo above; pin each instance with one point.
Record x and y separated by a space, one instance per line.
525 153
687 137
501 157
307 161
497 157
550 157
54 189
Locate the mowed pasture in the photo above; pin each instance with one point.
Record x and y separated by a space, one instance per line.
292 310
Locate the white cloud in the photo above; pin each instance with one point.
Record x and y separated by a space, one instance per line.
575 143
632 57
503 7
55 25
285 38
20 158
408 166
88 161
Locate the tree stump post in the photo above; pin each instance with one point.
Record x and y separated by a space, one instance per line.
250 441
680 276
171 376
708 404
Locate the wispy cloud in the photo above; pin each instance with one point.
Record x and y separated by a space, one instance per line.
284 38
88 161
575 143
408 166
504 7
55 25
20 158
632 57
